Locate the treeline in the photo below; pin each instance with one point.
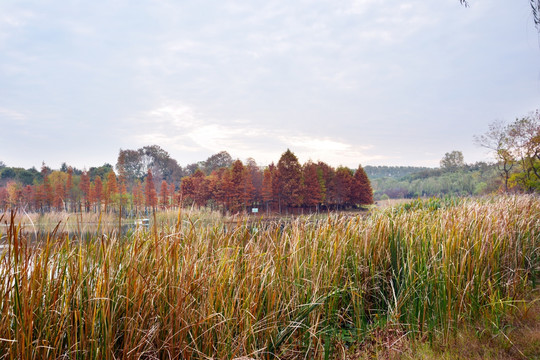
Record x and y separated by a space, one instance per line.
466 180
148 178
515 147
395 172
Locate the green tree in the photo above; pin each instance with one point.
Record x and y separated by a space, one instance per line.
452 161
220 160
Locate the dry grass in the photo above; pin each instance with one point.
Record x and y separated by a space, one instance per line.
315 288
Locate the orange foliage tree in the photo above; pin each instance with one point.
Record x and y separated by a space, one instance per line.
150 191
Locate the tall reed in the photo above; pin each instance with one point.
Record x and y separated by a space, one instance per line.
202 289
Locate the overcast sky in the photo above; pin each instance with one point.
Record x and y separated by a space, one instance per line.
371 82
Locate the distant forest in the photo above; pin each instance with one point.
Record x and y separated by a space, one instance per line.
394 172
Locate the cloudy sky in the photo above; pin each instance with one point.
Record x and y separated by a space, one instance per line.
376 82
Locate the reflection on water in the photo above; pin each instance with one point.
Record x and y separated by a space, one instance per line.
38 233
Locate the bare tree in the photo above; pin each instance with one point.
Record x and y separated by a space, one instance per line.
497 140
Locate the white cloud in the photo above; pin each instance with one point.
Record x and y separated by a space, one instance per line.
180 128
8 115
333 151
177 116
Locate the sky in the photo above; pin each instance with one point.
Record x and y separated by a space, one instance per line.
348 82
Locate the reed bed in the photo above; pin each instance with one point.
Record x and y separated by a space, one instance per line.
201 290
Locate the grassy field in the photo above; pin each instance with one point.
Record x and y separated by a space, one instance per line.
406 281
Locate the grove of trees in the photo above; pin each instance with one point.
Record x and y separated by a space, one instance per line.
285 187
148 179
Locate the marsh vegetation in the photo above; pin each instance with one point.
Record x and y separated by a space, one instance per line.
312 287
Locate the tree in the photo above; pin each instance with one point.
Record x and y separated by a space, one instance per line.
69 187
164 194
452 161
225 189
138 196
85 188
201 189
524 137
535 5
101 171
150 191
497 140
14 191
97 193
289 173
4 198
111 190
188 189
129 165
134 164
361 191
28 194
516 147
47 193
267 194
59 196
311 191
255 180
341 187
237 197
220 160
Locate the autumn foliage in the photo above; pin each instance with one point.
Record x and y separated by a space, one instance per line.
230 186
287 187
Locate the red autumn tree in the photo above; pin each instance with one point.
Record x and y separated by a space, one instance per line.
341 187
267 194
200 188
172 190
48 194
39 197
289 173
138 196
248 191
59 196
164 194
326 175
361 191
85 188
150 191
311 190
187 189
237 198
4 198
111 190
28 195
70 191
224 188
